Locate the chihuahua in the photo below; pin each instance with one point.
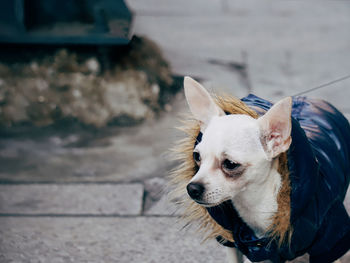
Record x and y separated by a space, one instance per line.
237 160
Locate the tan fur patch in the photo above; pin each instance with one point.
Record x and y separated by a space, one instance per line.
280 229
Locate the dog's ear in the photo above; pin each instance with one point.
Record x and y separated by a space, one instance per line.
200 102
276 126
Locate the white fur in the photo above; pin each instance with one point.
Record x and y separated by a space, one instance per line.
251 143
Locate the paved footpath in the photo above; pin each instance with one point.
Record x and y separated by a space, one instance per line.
91 223
99 196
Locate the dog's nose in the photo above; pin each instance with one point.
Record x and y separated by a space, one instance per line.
195 190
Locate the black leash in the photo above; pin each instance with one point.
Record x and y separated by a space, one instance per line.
323 85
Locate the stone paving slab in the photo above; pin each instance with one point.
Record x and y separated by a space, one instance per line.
140 239
190 49
289 73
74 199
163 207
287 47
246 25
215 77
157 200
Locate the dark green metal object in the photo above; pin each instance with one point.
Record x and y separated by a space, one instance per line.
87 22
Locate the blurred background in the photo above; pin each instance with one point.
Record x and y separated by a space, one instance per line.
90 93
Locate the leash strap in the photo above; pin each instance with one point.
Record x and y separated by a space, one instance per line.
322 86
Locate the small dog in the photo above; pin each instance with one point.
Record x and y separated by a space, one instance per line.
261 177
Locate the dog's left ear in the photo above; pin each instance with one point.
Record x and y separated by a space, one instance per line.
276 126
201 104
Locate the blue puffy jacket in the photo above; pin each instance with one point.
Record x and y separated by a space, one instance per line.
319 166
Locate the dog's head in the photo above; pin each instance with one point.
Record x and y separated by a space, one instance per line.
236 151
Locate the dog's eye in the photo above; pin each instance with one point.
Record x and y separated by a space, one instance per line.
229 165
196 157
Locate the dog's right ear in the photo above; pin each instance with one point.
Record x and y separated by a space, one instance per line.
276 126
200 102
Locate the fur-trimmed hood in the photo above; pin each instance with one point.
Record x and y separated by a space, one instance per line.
315 175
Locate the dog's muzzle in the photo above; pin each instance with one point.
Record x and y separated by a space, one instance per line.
195 190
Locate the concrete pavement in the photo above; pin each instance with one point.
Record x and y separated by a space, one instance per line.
284 47
98 196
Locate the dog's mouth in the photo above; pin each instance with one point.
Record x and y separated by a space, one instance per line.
205 204
198 193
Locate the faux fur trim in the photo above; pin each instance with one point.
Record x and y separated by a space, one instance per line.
280 229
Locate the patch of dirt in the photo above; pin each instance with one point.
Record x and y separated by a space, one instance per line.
93 87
